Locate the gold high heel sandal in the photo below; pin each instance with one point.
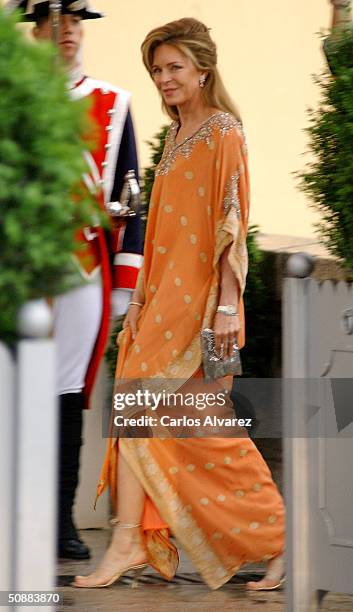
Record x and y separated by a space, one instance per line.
136 569
275 574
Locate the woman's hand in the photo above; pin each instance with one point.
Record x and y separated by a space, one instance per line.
130 320
226 329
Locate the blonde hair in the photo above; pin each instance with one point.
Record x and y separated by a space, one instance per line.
193 39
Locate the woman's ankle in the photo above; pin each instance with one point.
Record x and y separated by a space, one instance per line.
275 566
126 539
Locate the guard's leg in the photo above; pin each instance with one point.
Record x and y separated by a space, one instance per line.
70 440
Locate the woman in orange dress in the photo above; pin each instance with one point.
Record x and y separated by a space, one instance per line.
215 495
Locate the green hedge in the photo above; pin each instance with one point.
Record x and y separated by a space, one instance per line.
41 165
328 177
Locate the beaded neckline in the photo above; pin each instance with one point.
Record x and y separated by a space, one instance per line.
220 120
175 126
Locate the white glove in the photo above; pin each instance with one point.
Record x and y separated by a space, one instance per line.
120 302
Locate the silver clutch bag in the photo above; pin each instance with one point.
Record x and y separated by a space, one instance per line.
213 365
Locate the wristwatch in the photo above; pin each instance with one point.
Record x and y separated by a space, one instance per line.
228 310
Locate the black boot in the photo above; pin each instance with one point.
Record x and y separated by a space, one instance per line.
70 431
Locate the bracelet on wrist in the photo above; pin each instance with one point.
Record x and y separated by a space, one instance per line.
228 310
136 304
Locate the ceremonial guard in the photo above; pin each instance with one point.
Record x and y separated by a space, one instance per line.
106 267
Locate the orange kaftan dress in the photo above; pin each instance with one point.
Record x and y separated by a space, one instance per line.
215 495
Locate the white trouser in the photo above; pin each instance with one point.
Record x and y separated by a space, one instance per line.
77 318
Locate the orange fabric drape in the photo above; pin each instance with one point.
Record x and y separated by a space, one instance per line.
215 495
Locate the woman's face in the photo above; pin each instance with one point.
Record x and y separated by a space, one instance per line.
175 76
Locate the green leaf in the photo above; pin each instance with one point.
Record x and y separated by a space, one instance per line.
41 165
327 178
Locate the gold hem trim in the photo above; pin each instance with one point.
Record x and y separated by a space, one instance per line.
178 518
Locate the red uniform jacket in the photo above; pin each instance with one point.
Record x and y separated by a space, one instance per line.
119 255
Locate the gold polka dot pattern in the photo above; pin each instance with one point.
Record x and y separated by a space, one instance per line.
254 525
235 530
272 519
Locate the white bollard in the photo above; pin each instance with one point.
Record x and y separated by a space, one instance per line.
7 462
36 450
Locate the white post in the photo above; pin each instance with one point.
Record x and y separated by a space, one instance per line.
36 470
296 448
7 461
